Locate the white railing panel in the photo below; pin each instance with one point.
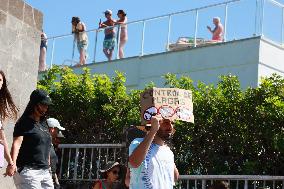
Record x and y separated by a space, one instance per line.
143 39
83 161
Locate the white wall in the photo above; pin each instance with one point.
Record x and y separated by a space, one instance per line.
271 59
20 28
204 64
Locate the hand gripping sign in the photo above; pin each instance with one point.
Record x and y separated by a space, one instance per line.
170 103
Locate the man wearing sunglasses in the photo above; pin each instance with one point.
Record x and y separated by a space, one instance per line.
151 160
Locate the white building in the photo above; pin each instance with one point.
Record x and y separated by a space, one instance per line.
251 57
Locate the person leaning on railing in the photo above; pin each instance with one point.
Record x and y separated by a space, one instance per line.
79 29
8 110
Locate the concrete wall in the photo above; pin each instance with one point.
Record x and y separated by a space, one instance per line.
20 27
204 64
271 59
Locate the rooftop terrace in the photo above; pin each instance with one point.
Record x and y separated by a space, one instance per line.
241 19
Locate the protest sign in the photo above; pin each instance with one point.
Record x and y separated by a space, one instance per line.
170 103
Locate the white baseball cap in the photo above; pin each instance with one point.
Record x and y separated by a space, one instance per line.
54 123
108 11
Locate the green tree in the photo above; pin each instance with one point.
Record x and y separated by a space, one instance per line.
236 131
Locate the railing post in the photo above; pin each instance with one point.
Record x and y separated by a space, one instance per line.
169 32
282 28
254 184
262 17
83 166
107 150
73 50
196 27
118 40
91 164
203 184
76 164
264 183
98 163
61 163
95 48
52 53
187 184
143 36
256 17
273 184
68 168
114 154
246 184
225 22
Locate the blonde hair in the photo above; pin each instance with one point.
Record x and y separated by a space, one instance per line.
217 18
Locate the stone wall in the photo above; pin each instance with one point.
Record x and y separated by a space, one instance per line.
20 27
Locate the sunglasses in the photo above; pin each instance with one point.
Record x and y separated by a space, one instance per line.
115 172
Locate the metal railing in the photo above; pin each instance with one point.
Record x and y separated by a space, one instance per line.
234 181
258 16
82 162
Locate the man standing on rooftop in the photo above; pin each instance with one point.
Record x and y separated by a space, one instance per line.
218 31
109 40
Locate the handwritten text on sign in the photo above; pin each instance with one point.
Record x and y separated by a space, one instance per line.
169 102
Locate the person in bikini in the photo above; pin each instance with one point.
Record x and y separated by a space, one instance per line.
123 31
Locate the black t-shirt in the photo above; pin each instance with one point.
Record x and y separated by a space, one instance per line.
53 160
35 149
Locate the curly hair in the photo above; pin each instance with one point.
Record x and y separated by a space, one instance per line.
8 109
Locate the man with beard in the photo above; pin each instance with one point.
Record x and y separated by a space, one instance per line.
151 160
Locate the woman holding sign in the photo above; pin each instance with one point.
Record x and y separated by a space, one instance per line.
9 110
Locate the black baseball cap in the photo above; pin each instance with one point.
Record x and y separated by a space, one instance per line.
40 96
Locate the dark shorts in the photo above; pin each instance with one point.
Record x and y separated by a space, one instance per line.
43 44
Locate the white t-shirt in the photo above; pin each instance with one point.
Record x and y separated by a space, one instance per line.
156 171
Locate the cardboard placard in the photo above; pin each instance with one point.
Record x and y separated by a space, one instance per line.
170 103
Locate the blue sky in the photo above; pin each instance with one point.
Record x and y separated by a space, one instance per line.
58 14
